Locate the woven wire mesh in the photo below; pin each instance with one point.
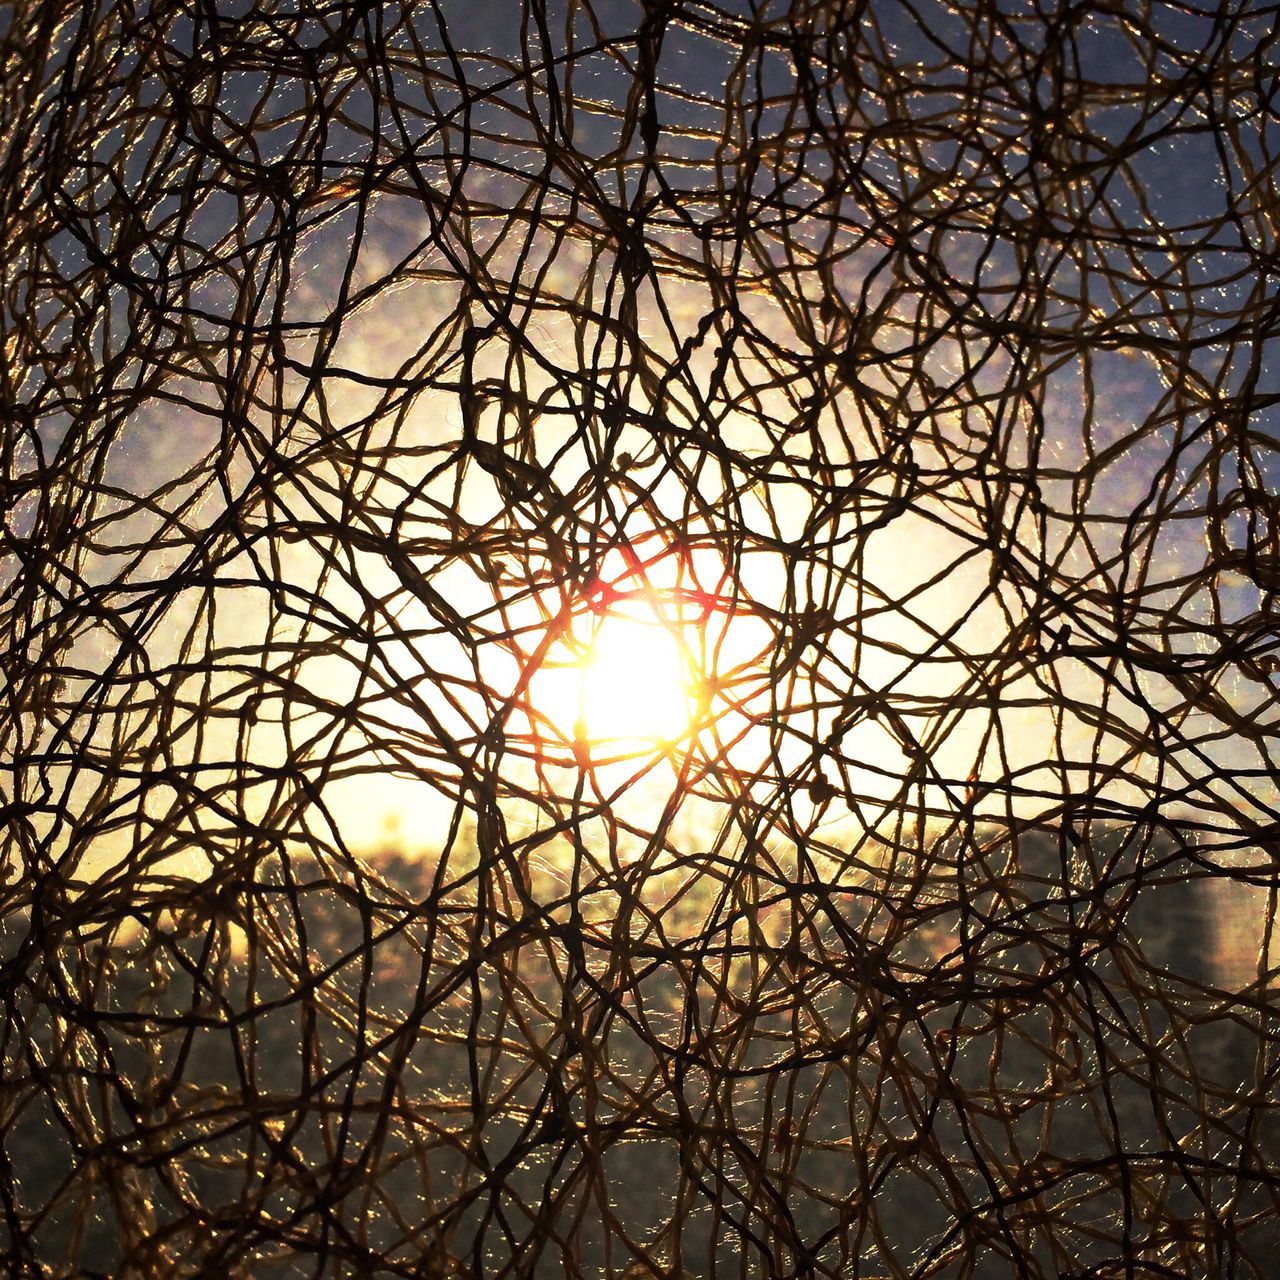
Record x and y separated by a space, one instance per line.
890 387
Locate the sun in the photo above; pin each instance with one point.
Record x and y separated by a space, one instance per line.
635 685
623 678
622 685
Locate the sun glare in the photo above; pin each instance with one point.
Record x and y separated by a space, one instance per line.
624 678
622 687
634 685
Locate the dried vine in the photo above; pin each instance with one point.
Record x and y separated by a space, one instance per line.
908 370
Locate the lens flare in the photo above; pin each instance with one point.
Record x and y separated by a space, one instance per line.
634 685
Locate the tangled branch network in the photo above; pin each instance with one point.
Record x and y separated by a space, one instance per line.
639 639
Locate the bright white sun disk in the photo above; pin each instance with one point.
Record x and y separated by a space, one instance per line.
633 684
